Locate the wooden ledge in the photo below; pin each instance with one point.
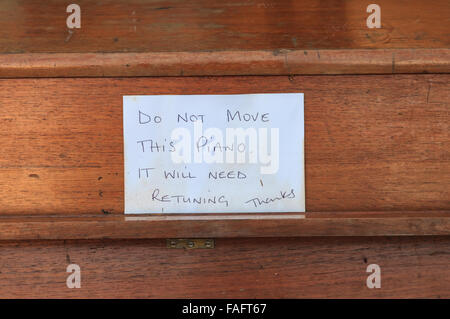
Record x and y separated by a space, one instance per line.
278 62
226 226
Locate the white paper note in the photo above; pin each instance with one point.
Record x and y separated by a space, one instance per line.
214 153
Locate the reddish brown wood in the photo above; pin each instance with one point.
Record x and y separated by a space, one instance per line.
213 25
377 155
373 143
278 62
172 38
411 267
226 226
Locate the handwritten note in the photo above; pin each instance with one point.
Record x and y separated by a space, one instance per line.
214 153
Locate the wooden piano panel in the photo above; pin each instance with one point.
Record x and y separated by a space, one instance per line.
376 148
214 25
372 143
411 267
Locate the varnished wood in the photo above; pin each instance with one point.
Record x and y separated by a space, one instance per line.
377 148
212 25
411 267
277 62
226 226
172 38
372 143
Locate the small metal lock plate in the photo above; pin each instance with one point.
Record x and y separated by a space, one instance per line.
197 243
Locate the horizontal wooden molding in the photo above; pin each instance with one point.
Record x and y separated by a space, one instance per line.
218 63
226 226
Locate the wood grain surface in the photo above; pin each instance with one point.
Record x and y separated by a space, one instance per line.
372 143
278 62
377 147
226 225
411 267
34 26
238 37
